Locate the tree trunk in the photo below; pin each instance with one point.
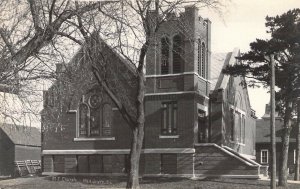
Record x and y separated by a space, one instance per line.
298 142
283 174
138 135
133 176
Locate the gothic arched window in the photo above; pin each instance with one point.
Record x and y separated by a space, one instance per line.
199 58
203 61
107 119
94 117
84 120
165 55
177 53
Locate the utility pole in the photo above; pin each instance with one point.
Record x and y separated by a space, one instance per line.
298 142
272 123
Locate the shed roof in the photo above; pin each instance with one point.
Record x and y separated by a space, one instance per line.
21 135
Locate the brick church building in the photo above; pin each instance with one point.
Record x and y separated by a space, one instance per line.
198 121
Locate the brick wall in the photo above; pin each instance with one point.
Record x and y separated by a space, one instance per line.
209 160
60 138
192 27
150 164
185 122
244 105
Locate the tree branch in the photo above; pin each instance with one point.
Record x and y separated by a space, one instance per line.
35 15
120 106
70 37
40 40
7 43
51 11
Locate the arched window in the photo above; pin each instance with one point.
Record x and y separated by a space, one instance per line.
199 57
94 117
165 55
94 102
177 54
203 61
84 120
107 119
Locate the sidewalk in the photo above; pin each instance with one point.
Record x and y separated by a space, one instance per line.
289 181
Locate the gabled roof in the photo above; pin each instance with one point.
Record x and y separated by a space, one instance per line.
263 131
218 62
220 80
21 135
118 72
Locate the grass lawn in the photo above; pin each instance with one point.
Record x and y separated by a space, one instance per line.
147 183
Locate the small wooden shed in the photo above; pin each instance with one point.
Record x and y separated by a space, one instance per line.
18 143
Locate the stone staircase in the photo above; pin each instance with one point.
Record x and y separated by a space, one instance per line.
212 160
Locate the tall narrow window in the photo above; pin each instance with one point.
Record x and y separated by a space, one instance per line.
203 61
177 54
237 126
169 118
232 129
83 119
264 156
295 156
199 57
95 118
107 118
165 55
243 129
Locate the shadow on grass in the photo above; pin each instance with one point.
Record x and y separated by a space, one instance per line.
113 180
95 180
120 181
157 180
244 182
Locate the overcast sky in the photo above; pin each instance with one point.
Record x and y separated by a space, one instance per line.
243 22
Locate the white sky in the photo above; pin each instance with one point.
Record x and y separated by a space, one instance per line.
242 23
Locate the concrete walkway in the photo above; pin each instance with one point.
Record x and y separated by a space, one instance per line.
289 181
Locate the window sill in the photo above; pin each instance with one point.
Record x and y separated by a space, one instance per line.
94 139
168 136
